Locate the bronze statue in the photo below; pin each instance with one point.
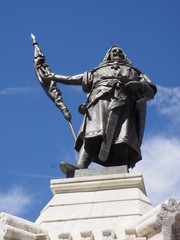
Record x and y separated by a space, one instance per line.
114 114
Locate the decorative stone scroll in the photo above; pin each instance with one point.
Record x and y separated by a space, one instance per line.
109 235
87 236
19 223
10 232
167 218
15 228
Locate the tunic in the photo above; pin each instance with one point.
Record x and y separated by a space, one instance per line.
107 94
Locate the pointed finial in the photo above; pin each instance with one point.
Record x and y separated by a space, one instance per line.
33 39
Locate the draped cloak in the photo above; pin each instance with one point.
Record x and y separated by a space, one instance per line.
106 94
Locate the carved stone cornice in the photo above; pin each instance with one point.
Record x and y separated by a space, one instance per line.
109 235
87 235
65 236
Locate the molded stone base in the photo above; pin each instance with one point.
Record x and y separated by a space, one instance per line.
107 207
94 203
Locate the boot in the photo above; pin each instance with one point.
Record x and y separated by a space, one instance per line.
67 167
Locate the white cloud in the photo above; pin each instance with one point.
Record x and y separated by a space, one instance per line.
19 90
167 102
15 201
33 175
39 176
161 154
160 167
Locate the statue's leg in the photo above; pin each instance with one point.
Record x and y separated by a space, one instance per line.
84 159
88 152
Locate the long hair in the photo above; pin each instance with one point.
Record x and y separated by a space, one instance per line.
107 57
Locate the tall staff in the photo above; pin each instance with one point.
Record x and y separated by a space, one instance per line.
51 89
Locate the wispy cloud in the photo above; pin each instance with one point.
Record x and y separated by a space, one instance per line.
19 90
31 175
167 102
15 201
40 176
160 167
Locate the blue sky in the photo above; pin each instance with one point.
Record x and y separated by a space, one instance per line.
74 36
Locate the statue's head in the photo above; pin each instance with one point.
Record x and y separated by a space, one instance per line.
115 53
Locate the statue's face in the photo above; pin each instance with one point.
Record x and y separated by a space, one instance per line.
116 54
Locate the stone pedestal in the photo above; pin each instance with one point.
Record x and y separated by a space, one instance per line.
97 206
94 207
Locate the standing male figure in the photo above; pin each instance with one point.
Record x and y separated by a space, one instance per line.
114 114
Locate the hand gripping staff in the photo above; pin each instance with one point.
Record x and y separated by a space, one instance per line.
50 87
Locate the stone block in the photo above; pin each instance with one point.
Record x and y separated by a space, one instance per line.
98 171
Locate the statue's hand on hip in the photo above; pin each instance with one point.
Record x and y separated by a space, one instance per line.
135 86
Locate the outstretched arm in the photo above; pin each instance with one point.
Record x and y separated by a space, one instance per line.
69 80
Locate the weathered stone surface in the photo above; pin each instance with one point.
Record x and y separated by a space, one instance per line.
15 228
7 219
167 218
10 232
160 223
